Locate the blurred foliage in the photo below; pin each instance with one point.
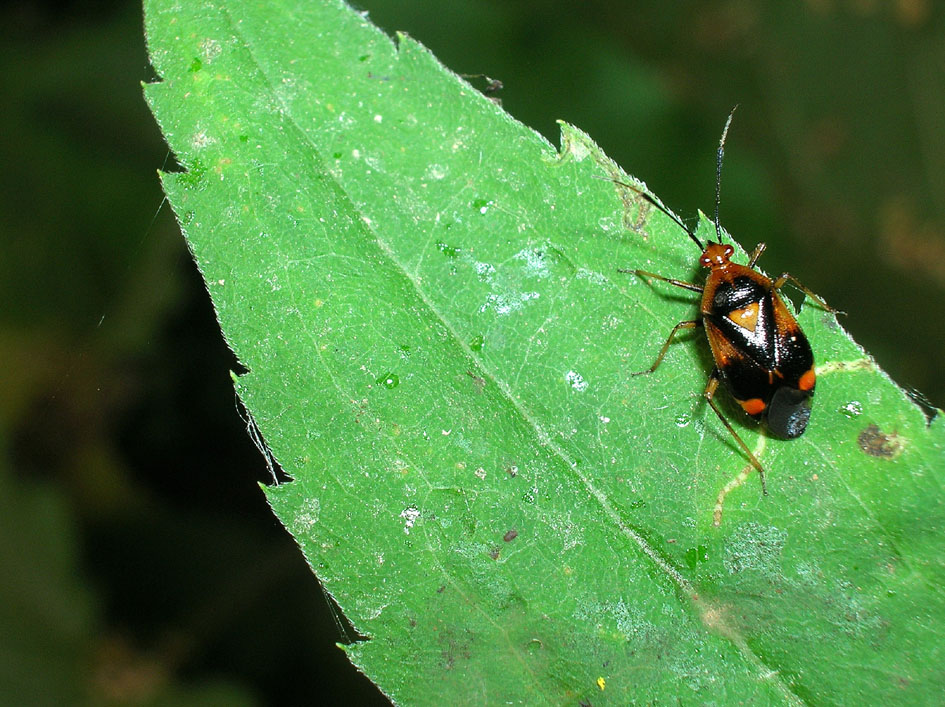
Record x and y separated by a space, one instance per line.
126 471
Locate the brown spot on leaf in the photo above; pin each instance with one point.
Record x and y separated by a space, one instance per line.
479 381
877 443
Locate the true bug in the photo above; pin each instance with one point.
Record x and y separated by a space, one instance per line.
760 352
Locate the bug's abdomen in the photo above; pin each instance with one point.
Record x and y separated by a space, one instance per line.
761 354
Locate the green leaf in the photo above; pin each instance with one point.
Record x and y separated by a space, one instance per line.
426 296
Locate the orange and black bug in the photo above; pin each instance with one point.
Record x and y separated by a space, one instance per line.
760 352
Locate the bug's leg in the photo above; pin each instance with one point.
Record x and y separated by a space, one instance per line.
784 277
755 254
672 281
709 393
659 359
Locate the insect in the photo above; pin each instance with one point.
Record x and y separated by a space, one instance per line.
760 352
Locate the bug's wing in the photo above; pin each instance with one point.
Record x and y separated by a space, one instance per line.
794 360
748 380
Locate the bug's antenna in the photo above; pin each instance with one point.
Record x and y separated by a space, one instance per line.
659 206
718 173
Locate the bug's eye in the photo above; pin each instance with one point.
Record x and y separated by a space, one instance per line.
729 250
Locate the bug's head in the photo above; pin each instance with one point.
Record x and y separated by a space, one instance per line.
716 255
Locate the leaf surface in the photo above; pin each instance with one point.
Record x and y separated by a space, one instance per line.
426 296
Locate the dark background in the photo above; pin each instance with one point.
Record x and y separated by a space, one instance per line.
140 563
